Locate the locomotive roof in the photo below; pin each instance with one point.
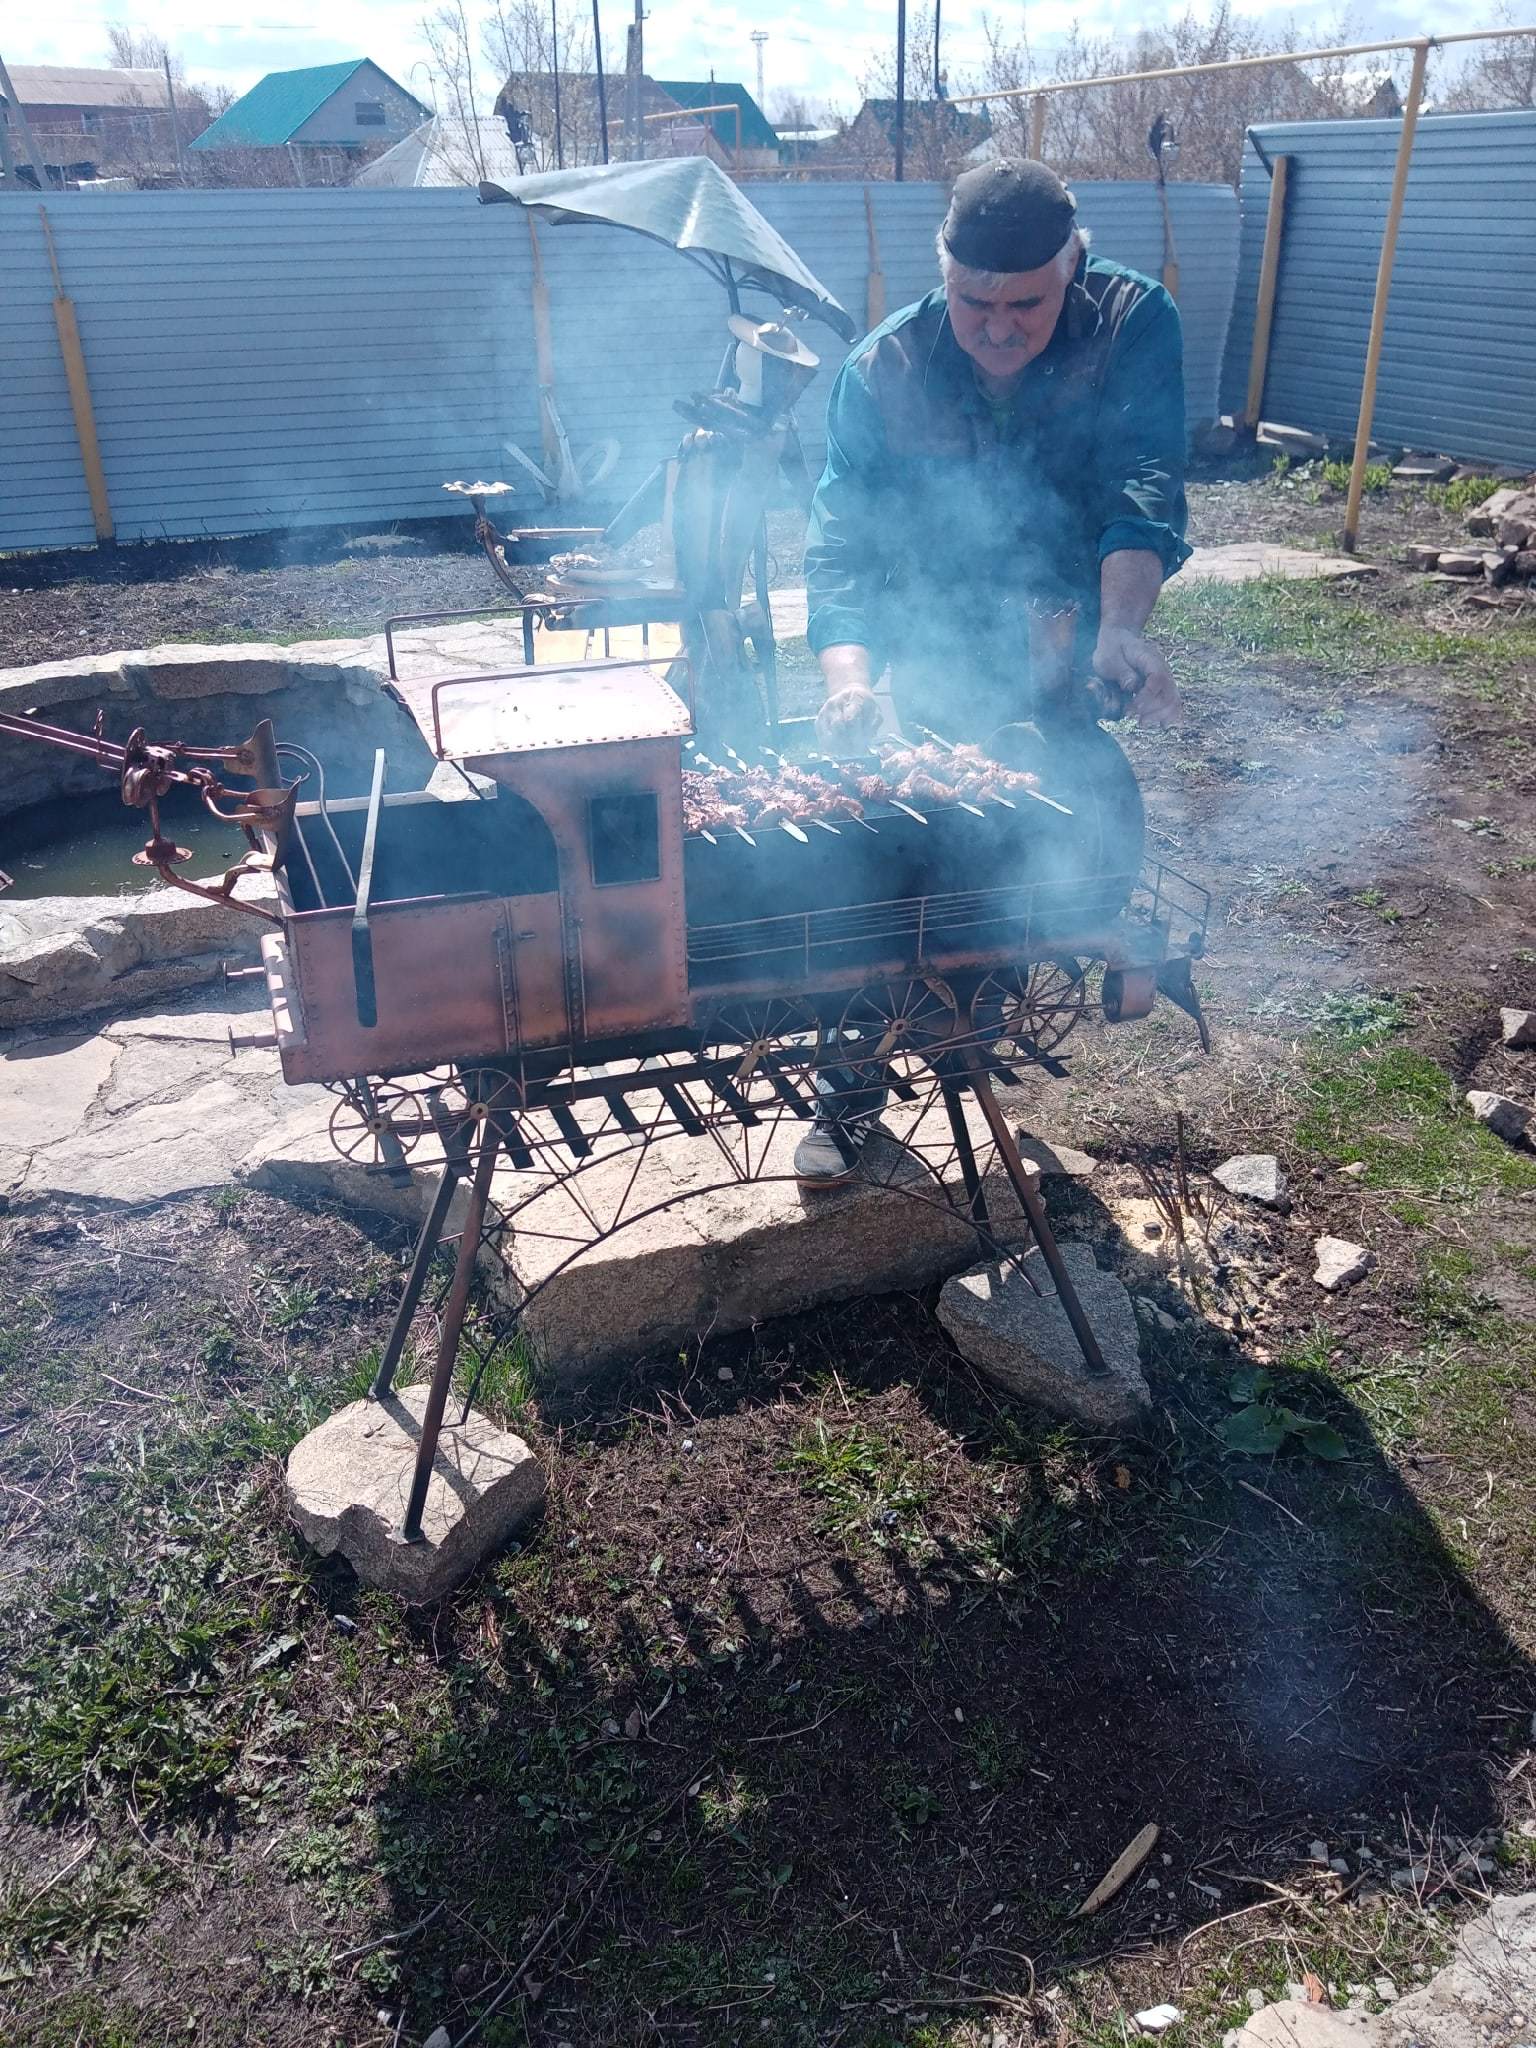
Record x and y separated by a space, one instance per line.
538 710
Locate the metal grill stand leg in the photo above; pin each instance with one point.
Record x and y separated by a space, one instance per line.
453 1323
954 1103
1039 1223
416 1280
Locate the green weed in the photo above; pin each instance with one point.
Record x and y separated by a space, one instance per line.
83 1919
1462 493
155 1666
1377 477
871 1487
1396 1111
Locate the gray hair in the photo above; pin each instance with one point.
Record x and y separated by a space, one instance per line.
991 280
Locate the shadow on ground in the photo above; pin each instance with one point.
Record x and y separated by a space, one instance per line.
829 1688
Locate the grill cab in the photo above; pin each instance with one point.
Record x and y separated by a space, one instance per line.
538 917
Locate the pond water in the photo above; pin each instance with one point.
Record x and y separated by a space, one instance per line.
84 845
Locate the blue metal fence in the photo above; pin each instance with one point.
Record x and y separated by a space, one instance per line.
277 359
1458 373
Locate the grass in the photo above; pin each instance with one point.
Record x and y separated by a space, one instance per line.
1314 623
1397 1111
159 1667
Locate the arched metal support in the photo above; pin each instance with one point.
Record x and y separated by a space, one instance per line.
473 1145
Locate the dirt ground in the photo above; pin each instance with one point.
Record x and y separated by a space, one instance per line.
828 1686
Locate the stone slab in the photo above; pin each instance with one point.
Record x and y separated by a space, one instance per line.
705 1253
1506 1118
70 956
1055 1162
1291 2023
149 1154
290 1153
348 1482
1248 561
1519 1029
46 1086
1340 1263
1022 1341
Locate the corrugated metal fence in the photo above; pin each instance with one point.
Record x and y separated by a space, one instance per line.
1458 371
276 359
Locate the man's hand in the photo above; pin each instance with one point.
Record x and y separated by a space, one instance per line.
1122 656
850 717
848 720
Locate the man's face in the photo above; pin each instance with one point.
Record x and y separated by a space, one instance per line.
1004 323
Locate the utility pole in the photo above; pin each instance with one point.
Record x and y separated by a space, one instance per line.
554 70
170 94
901 90
14 111
759 37
602 83
938 74
634 67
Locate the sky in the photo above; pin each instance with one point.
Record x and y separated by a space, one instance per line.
819 49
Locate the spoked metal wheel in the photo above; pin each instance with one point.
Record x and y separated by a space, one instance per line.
759 1043
474 1098
889 1018
1030 1009
373 1117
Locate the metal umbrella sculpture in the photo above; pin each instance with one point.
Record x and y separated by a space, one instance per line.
692 206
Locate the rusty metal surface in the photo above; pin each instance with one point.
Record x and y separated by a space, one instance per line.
146 772
475 718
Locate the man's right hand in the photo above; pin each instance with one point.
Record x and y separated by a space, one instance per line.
848 721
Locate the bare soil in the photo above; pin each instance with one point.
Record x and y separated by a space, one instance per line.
828 1686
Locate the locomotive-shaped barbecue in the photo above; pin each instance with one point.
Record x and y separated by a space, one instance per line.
563 912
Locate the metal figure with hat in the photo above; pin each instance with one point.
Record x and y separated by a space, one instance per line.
710 498
1002 501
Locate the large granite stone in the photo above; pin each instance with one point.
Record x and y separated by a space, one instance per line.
326 695
1024 1343
69 956
1485 1995
348 1482
704 1254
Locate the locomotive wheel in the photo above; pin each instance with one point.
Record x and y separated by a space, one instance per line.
360 1134
748 1038
476 1102
1033 1008
890 1017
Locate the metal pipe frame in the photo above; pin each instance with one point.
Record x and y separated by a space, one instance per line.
1024 92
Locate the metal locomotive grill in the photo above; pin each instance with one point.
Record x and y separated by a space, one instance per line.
530 990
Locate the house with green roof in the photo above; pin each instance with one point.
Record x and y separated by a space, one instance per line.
352 106
758 138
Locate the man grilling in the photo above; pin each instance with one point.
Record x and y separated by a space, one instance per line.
1002 501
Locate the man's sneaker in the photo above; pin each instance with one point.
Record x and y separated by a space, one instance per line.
828 1154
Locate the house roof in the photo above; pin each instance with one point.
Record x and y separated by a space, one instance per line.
943 112
277 106
442 151
757 131
39 86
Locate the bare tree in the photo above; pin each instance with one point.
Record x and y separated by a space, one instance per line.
1102 132
1496 75
537 49
451 43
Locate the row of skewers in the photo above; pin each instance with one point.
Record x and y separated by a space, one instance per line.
741 796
